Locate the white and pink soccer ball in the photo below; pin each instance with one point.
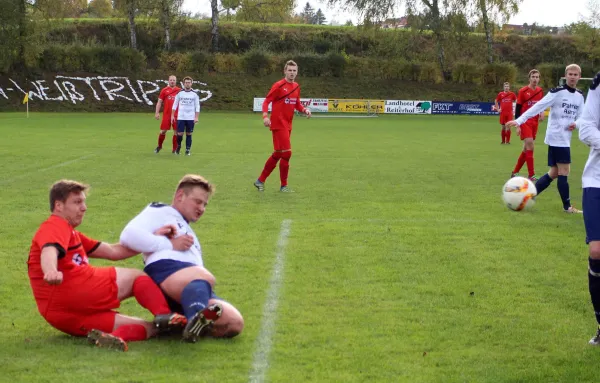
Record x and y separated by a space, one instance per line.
518 193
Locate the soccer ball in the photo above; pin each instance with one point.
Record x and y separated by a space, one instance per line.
518 193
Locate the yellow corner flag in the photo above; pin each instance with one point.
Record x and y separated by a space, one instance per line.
26 98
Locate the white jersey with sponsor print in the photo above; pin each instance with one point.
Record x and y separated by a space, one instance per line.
589 134
566 105
138 235
188 103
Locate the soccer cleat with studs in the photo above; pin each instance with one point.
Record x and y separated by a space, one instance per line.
158 148
105 340
187 152
513 175
201 323
178 150
259 185
285 189
595 341
169 322
572 210
533 178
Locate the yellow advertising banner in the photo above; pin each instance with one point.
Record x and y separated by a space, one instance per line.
356 106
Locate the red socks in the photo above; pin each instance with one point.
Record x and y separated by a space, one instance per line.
520 162
174 142
150 296
161 139
284 167
529 160
131 332
503 134
269 166
508 131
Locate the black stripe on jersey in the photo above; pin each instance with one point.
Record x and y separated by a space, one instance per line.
74 247
96 246
282 97
158 204
536 93
61 250
563 87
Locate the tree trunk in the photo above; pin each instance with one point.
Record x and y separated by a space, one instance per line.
131 19
20 62
166 19
439 36
488 30
214 5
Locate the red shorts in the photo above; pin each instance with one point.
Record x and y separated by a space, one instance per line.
281 139
529 130
88 306
165 124
504 118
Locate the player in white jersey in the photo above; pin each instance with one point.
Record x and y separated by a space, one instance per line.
566 105
187 104
589 134
176 264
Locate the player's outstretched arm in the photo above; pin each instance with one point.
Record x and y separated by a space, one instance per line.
538 108
143 240
590 117
112 252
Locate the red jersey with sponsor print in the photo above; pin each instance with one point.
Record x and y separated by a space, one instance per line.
505 100
284 98
527 98
73 248
167 95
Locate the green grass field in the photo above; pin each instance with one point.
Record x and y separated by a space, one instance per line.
402 263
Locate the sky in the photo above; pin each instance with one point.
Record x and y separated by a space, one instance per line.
543 12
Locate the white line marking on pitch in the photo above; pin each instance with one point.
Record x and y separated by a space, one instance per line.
260 363
25 174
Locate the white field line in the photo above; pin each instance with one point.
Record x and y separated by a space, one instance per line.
260 363
28 173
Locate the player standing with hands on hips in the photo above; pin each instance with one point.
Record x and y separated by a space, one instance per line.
187 103
285 98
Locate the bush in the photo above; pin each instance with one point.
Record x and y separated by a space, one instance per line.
550 74
95 59
498 73
336 63
200 61
257 63
466 73
311 65
227 63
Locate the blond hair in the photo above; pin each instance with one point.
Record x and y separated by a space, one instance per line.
190 181
533 71
289 63
61 190
573 67
188 78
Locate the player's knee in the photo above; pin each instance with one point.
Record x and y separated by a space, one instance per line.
595 250
286 155
277 154
553 172
563 171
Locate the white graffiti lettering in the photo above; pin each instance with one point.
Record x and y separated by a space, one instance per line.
69 89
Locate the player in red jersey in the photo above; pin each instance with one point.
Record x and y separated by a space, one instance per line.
79 299
526 98
285 99
167 96
504 105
